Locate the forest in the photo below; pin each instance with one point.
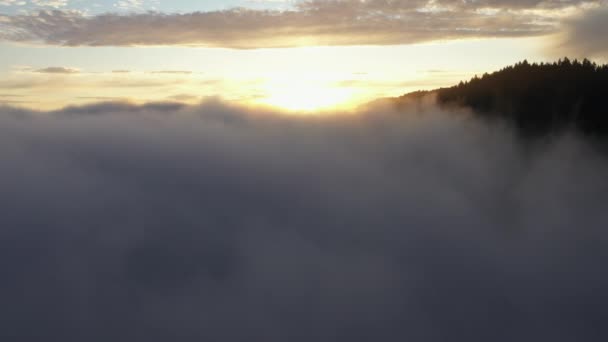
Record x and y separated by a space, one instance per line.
537 98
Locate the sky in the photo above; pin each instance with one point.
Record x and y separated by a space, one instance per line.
299 55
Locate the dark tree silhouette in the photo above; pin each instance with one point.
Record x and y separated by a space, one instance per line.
538 98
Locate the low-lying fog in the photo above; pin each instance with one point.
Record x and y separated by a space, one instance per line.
218 223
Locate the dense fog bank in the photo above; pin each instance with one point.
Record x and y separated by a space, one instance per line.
173 223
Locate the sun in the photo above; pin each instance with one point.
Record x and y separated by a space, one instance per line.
308 97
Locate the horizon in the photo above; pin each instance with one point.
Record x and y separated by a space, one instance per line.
275 53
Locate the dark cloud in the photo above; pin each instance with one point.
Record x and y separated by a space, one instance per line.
336 22
585 35
57 70
215 223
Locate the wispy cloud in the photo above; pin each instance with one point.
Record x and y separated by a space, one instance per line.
171 72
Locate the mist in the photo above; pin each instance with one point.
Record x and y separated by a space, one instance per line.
584 35
215 222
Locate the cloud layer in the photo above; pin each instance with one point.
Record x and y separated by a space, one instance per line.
335 22
166 222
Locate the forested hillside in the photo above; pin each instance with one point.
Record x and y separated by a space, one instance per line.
539 98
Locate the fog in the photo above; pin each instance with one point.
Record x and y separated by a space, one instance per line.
221 223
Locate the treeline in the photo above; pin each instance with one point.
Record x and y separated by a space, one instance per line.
539 98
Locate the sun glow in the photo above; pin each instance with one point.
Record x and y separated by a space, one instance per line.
308 97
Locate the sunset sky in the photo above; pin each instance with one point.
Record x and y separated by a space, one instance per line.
300 55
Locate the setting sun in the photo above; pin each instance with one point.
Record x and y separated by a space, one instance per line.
308 97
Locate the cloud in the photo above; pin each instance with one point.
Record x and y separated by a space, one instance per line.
585 35
103 98
172 72
57 70
213 222
12 3
51 79
340 22
50 3
12 102
129 4
185 97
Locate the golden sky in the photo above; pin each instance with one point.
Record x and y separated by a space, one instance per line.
299 55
